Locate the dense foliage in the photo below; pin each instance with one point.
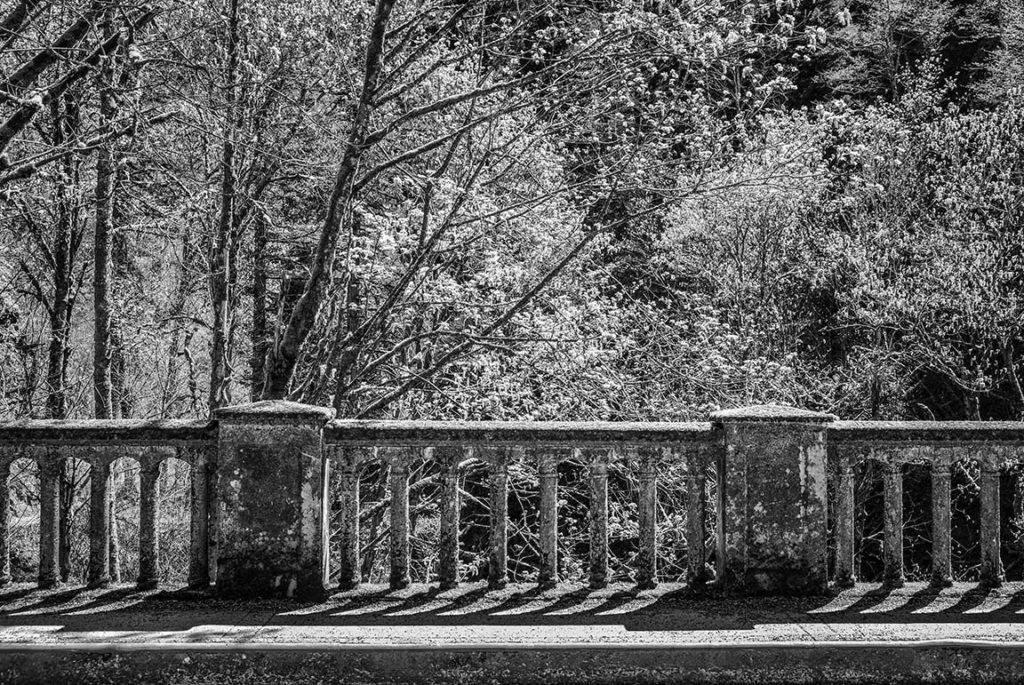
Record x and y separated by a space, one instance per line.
495 210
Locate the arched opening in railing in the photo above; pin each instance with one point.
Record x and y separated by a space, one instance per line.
174 543
73 470
22 538
151 491
124 518
139 476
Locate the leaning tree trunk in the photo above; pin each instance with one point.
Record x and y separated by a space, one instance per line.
291 335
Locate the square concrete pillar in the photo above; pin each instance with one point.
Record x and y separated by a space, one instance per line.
272 480
773 500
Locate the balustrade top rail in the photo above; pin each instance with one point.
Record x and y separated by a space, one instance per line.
345 432
106 432
356 433
924 433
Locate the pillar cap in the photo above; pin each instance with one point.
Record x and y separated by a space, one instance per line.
270 409
771 413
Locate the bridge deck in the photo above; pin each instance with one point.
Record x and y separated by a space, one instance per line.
570 614
891 630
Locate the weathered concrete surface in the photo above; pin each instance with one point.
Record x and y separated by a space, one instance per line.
105 432
562 434
518 634
774 500
271 484
941 433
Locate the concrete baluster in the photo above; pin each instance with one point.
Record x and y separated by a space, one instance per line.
346 460
451 508
846 575
399 576
647 513
547 469
99 519
497 565
202 462
942 572
149 521
696 516
599 521
991 563
892 522
6 459
49 535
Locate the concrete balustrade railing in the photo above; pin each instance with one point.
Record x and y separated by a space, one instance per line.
262 474
994 446
100 444
452 446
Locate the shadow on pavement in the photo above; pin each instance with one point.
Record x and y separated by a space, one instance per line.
669 607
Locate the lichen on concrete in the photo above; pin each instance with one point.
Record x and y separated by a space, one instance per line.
517 433
774 496
771 413
272 477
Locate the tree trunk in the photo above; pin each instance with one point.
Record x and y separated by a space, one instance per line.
65 116
351 319
102 230
260 343
178 346
345 403
106 339
221 268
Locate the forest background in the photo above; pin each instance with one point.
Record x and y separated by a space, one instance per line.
525 210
